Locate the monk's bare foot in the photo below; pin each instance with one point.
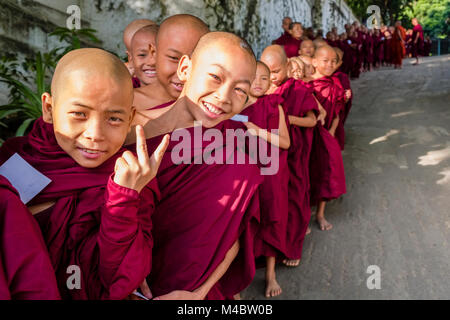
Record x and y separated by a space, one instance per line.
273 289
308 231
237 296
291 263
324 225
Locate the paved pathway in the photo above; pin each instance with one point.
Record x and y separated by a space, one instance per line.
396 214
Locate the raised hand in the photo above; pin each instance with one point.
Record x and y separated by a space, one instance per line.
135 173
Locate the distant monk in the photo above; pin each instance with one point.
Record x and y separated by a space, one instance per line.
292 45
286 35
398 45
128 34
416 40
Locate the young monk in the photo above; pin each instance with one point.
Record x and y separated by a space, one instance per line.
205 222
306 48
95 215
343 80
26 272
128 34
309 69
301 107
177 36
143 55
326 166
266 113
292 44
296 68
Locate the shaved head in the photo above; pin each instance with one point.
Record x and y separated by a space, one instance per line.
223 38
131 29
339 52
149 30
275 58
87 62
274 52
319 43
326 49
183 21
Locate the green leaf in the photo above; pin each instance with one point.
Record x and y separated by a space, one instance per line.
23 127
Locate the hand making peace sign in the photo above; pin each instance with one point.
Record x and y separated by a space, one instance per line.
135 173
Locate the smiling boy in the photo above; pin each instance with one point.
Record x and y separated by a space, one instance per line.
207 217
96 212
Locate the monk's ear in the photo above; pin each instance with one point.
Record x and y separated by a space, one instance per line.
184 68
152 49
47 106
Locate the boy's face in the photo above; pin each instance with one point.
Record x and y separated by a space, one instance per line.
177 41
325 63
262 81
217 82
91 117
297 31
306 48
143 57
278 70
296 70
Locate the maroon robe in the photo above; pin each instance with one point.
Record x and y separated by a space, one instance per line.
326 165
26 272
95 224
270 240
283 39
291 47
204 209
342 80
417 48
298 100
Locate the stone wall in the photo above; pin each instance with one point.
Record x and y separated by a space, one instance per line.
24 24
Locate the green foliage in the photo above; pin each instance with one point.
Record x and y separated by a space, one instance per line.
433 15
27 81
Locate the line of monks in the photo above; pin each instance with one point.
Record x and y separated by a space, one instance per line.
120 219
364 49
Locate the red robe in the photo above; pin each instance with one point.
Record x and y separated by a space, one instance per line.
291 47
26 272
298 100
417 48
270 240
95 224
204 209
326 165
283 38
398 48
342 80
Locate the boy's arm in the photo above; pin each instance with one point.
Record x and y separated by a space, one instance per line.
281 139
201 292
334 125
309 120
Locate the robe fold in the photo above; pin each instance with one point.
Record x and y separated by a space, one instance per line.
270 240
283 38
298 100
204 209
26 272
95 224
326 165
342 80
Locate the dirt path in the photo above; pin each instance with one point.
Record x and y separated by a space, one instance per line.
396 213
